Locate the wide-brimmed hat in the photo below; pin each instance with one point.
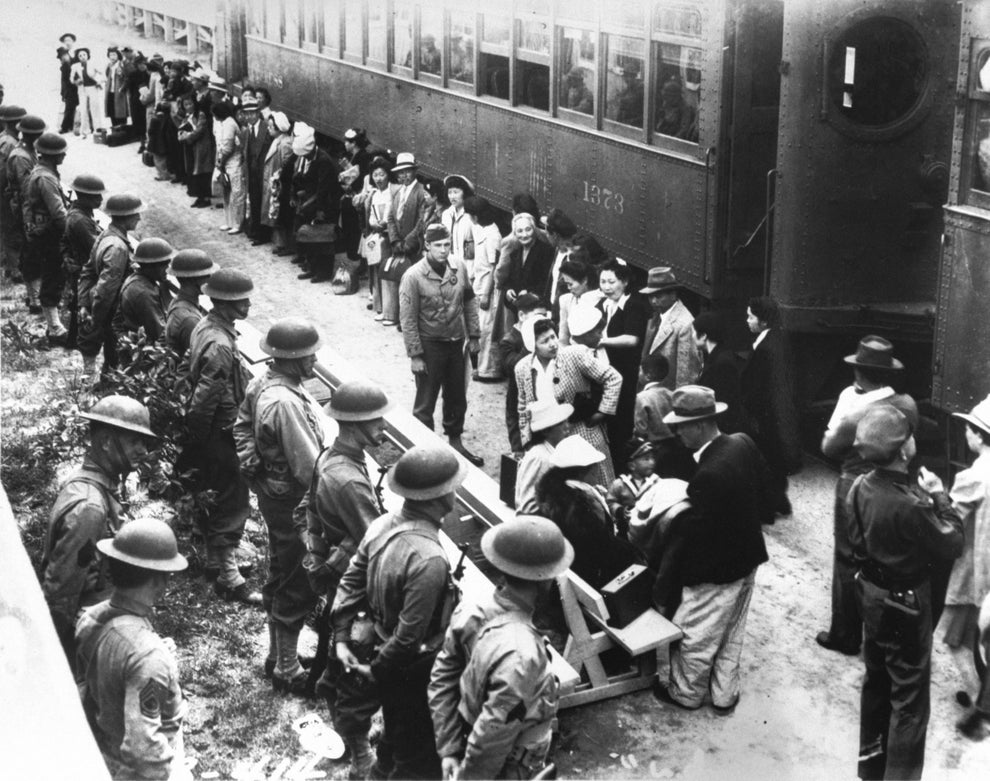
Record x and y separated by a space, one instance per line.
426 473
63 36
123 205
693 402
199 75
881 432
249 104
88 184
404 162
82 49
584 318
874 352
460 182
281 121
637 447
575 451
146 543
659 279
356 401
978 417
547 414
528 547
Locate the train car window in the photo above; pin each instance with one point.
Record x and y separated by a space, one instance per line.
578 70
877 72
678 90
273 20
628 14
533 56
290 31
496 29
402 36
431 40
354 31
624 75
578 10
496 37
312 21
377 34
331 27
462 47
976 166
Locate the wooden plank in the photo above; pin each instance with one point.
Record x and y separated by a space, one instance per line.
647 633
634 683
247 343
589 598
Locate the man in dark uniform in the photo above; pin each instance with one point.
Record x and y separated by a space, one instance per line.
192 267
897 532
81 232
279 433
100 281
20 163
401 576
333 516
218 380
45 211
88 509
874 366
145 296
10 258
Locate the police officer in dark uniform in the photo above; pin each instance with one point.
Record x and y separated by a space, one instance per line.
81 231
898 533
192 267
401 576
144 296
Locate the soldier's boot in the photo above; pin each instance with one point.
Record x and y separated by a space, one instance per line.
272 658
361 757
230 583
57 332
289 677
33 300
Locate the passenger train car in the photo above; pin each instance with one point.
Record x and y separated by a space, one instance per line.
805 148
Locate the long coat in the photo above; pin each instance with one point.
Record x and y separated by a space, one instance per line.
533 276
278 153
402 227
197 136
673 337
721 374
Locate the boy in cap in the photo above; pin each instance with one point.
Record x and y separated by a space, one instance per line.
628 488
897 532
493 695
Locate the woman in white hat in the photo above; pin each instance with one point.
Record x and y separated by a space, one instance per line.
548 426
275 212
969 584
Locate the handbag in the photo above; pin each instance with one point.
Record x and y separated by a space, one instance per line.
373 248
393 268
345 280
224 178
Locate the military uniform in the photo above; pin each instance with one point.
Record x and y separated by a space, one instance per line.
80 235
181 318
17 168
897 533
129 682
99 293
87 510
9 255
493 695
401 573
142 305
45 209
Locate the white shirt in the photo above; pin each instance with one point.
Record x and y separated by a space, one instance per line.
403 195
760 337
543 379
850 402
611 307
696 455
555 274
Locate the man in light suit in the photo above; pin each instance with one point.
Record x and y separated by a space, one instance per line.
669 332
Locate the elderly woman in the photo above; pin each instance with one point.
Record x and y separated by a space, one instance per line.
196 135
528 266
273 215
377 204
458 188
230 165
580 278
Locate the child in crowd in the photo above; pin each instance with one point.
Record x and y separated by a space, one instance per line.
652 403
628 488
511 350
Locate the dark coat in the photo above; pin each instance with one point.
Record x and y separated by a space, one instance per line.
256 149
403 228
721 373
730 493
316 190
534 276
768 395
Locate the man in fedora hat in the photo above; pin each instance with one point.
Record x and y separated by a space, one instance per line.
81 232
408 207
874 366
100 280
145 295
669 332
20 162
256 139
493 695
898 530
45 212
127 673
193 268
88 508
279 433
721 548
335 513
218 381
547 427
401 576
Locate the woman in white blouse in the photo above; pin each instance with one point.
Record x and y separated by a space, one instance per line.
376 202
581 279
458 222
230 162
487 240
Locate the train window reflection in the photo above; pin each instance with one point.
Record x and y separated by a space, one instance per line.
430 40
677 19
496 29
535 37
533 85
402 35
981 149
377 41
624 80
578 70
877 71
678 90
462 47
495 75
353 30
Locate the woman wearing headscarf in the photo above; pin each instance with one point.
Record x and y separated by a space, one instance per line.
272 214
230 165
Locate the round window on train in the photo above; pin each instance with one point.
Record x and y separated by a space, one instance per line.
878 70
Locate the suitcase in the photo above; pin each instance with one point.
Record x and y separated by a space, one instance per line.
507 480
120 135
628 595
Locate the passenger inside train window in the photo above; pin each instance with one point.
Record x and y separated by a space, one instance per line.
678 90
430 39
429 55
495 72
624 84
462 47
577 64
402 34
533 85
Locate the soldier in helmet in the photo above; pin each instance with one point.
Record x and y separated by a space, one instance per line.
339 506
192 267
144 296
218 381
280 431
10 256
100 281
493 695
88 509
127 675
20 163
401 576
77 243
45 211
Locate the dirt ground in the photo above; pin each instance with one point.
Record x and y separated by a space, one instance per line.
798 716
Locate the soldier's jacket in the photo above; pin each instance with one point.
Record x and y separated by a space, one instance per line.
494 675
217 377
142 304
129 683
86 510
78 239
7 144
103 274
181 318
45 206
20 163
279 434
